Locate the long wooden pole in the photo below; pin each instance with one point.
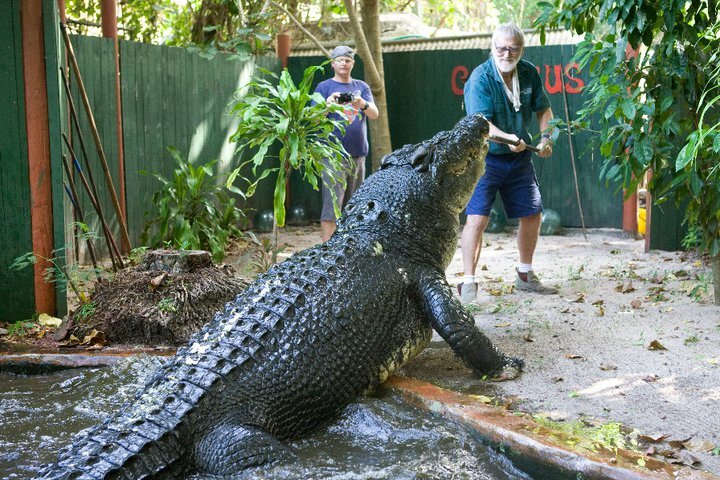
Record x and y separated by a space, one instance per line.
125 238
75 200
76 122
112 246
572 155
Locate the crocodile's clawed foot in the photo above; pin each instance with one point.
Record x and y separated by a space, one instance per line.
509 371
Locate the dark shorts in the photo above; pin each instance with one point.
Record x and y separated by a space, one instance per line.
513 175
354 177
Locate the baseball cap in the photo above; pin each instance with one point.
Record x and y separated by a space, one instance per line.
342 51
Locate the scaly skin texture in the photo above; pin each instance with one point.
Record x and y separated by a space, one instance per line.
311 334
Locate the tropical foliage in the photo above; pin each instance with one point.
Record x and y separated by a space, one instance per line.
295 119
194 212
655 87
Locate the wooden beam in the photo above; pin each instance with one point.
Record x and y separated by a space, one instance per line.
36 119
110 30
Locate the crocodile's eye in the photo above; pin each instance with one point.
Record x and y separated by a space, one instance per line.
457 168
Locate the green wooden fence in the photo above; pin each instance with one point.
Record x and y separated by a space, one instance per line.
16 288
170 97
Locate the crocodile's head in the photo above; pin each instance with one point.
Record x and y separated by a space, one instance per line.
453 161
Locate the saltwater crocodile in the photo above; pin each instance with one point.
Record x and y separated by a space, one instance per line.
311 334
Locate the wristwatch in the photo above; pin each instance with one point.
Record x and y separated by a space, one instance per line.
367 105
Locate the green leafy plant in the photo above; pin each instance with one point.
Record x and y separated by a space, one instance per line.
590 435
85 311
699 290
657 110
136 255
60 273
296 120
267 252
20 328
193 211
692 238
167 305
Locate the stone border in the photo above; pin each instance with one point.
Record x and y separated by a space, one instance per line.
44 363
530 445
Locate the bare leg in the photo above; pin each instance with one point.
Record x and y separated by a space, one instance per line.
471 241
327 228
527 238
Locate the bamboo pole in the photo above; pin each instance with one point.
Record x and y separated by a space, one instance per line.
125 238
572 155
112 246
75 200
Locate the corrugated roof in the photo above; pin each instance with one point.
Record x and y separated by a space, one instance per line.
459 42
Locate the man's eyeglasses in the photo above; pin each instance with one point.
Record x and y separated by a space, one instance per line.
344 60
510 50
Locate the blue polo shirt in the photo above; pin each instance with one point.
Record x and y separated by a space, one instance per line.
484 93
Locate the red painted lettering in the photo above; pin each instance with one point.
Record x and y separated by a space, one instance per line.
556 86
574 84
460 73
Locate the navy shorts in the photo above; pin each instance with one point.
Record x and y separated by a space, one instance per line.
513 175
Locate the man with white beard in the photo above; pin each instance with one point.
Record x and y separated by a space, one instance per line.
507 90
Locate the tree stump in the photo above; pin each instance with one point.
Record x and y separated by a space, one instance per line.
169 296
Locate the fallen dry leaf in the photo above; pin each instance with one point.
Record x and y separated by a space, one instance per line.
156 281
653 437
657 278
685 458
625 287
556 379
528 338
95 338
503 325
678 443
481 398
598 302
600 311
636 304
651 378
48 320
699 445
579 299
607 367
565 310
573 356
656 345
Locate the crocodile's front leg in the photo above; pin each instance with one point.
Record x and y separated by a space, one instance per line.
457 327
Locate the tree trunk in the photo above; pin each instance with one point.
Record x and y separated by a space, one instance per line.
371 54
379 128
715 262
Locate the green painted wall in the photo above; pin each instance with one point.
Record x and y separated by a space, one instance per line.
95 61
56 124
170 97
424 92
16 287
173 97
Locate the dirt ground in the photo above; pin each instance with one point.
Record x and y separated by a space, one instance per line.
632 337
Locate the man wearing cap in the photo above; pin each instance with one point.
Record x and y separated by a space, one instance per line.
507 90
357 99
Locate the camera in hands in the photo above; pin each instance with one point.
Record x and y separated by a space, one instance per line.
345 97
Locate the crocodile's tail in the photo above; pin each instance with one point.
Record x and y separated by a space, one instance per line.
135 450
147 439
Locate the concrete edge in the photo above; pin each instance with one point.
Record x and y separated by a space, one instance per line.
523 438
43 363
